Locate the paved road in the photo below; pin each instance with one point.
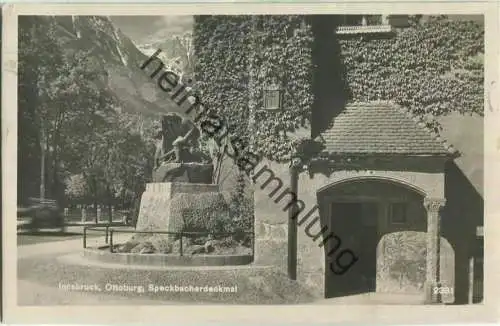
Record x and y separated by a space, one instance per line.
57 247
31 293
50 235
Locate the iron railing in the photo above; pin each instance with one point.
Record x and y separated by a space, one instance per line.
108 233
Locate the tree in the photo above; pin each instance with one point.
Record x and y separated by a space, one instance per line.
39 59
66 99
69 125
128 163
76 187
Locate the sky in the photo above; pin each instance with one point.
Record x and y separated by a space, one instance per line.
143 29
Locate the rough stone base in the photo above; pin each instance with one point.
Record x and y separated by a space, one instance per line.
156 203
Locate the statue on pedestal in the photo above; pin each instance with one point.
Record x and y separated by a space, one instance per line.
177 151
181 196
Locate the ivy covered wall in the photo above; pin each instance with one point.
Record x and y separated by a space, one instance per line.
235 64
432 68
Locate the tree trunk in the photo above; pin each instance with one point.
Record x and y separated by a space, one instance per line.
55 158
94 182
42 162
109 202
54 190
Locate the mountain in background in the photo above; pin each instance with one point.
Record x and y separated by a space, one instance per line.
150 29
120 58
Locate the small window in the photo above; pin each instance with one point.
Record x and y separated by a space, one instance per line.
374 19
352 20
361 20
272 97
398 213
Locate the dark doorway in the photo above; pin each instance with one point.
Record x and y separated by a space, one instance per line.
355 223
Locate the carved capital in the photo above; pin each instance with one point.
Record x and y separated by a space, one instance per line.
296 162
434 205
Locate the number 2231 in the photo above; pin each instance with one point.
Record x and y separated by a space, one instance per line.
442 290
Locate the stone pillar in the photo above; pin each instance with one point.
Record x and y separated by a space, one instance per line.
470 298
433 207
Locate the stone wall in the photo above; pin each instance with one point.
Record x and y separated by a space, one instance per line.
271 222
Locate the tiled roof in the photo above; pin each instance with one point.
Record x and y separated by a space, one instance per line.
381 128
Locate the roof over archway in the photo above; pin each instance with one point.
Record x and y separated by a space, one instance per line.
382 128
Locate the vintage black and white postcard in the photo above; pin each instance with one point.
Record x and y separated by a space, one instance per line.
261 163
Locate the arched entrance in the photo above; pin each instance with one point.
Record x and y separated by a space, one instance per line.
373 218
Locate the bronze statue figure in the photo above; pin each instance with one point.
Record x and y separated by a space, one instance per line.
172 147
178 155
180 149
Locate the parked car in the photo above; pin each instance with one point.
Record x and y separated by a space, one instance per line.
40 214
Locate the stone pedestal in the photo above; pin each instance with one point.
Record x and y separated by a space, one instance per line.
186 205
162 204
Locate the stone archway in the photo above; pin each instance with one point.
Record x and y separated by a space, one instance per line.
386 222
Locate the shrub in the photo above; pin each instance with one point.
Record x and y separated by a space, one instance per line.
220 224
241 207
